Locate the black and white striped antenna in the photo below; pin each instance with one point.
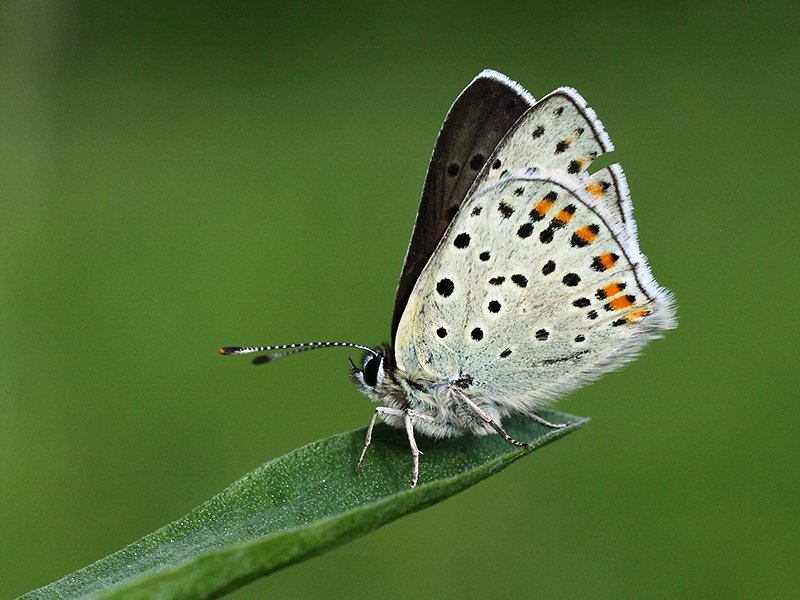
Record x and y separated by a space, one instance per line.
286 350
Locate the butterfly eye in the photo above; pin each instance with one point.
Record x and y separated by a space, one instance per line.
371 370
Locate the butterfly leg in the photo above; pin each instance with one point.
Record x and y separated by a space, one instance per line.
381 410
408 416
541 421
414 449
483 416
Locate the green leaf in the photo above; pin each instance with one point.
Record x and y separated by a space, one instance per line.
295 507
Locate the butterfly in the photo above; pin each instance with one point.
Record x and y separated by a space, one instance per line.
523 279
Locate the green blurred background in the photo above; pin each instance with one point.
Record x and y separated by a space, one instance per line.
176 177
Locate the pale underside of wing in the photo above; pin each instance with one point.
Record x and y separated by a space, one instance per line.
534 290
561 134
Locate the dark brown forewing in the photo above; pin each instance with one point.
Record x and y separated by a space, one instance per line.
474 125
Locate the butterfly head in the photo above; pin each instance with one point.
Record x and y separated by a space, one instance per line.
376 374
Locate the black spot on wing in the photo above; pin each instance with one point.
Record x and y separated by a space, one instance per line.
477 162
505 209
445 287
461 241
520 280
525 230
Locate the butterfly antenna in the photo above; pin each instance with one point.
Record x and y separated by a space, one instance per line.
286 350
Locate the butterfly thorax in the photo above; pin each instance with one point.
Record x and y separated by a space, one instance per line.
437 403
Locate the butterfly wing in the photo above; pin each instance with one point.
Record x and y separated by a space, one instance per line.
561 134
479 118
538 286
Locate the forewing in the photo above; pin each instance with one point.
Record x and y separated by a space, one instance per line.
560 133
479 118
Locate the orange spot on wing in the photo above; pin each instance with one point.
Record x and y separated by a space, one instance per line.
563 217
595 189
606 260
637 315
612 289
543 206
621 302
586 234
